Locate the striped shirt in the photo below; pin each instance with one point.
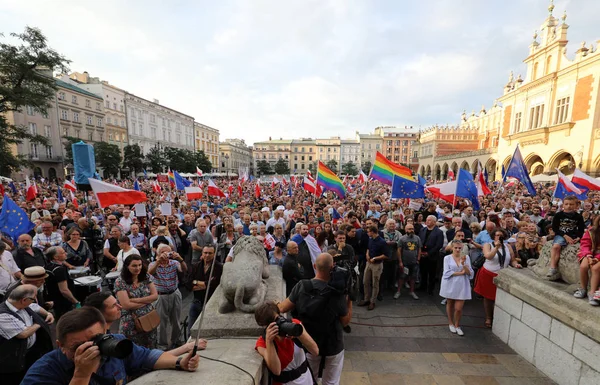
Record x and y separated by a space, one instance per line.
10 326
41 239
165 276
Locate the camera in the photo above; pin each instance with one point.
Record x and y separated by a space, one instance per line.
288 328
109 346
343 279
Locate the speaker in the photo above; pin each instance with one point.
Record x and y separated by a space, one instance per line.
84 164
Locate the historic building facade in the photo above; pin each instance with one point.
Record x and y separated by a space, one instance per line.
328 150
303 154
369 145
235 155
151 124
271 151
207 140
550 112
350 152
398 144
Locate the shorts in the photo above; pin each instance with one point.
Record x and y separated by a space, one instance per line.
413 271
560 240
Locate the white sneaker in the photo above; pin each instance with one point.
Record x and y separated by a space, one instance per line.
414 295
396 285
460 332
580 293
444 301
452 329
397 295
551 272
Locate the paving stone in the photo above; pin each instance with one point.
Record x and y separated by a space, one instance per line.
478 359
401 379
441 379
347 365
399 344
451 357
479 380
396 367
525 381
518 366
431 345
355 378
492 370
460 346
368 366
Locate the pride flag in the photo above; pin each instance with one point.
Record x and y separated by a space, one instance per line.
328 180
171 176
384 170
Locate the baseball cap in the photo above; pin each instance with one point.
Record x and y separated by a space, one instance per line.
280 207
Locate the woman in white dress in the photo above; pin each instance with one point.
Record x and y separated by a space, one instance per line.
455 286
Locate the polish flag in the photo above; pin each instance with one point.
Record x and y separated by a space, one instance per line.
198 171
285 182
274 182
482 187
156 187
108 194
345 181
74 200
31 190
450 174
240 190
581 179
362 177
309 185
70 185
257 190
562 179
230 189
294 180
192 193
444 191
213 190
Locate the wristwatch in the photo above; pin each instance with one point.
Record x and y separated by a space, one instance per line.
194 282
178 364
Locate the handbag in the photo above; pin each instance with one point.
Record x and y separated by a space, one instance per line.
478 264
147 322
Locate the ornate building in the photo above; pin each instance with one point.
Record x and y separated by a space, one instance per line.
303 154
550 112
369 145
207 140
350 152
328 150
235 155
398 144
271 151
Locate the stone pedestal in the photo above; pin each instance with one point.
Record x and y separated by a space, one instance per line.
544 323
238 323
568 266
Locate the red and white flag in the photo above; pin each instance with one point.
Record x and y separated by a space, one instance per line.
450 174
70 185
213 190
294 180
482 187
74 200
567 183
108 194
445 191
309 185
257 189
345 181
240 190
582 179
156 187
274 182
362 177
230 189
31 189
285 182
192 193
198 171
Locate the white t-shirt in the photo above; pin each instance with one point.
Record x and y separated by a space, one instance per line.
8 268
122 255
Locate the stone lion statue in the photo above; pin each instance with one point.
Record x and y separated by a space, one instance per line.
568 266
242 281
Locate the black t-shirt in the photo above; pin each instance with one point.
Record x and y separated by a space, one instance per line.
57 274
332 342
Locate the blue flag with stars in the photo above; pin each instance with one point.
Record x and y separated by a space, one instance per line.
466 188
180 182
517 169
421 180
404 188
13 220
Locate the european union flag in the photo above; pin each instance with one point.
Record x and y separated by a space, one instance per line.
180 183
561 192
421 180
517 169
136 186
404 188
145 174
59 195
13 220
13 187
466 188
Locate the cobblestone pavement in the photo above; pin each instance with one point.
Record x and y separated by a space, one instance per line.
407 341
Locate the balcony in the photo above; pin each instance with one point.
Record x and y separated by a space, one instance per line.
44 158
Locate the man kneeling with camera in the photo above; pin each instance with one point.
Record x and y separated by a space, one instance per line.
281 346
88 356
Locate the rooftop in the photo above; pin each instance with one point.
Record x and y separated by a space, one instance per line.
73 88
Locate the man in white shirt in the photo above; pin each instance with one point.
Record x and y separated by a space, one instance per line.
47 238
9 271
277 218
39 212
126 220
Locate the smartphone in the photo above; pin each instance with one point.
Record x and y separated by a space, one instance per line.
406 270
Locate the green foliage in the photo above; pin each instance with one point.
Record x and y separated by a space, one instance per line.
23 83
108 156
155 160
349 168
332 164
133 158
281 167
202 161
263 168
366 167
68 141
312 167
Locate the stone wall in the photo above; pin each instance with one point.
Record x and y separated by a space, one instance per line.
555 332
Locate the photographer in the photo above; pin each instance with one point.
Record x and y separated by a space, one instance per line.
86 355
281 346
324 311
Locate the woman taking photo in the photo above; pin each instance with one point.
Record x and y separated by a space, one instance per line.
78 252
498 255
455 285
135 293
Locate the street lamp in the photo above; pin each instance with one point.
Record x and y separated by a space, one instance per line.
227 165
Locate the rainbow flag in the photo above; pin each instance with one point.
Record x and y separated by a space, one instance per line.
384 170
171 176
328 180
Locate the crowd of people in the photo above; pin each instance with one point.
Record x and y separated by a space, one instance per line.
149 257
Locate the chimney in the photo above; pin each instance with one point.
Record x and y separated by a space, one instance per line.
156 101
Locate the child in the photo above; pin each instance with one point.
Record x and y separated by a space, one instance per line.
589 255
568 228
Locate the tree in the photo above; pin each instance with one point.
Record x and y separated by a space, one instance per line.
202 162
312 167
24 83
133 158
366 167
332 164
281 167
69 141
263 167
155 160
108 156
349 168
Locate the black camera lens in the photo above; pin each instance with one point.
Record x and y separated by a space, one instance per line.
288 328
109 346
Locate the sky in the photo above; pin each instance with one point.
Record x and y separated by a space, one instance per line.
315 68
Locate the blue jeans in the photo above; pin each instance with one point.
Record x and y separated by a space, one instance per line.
560 240
193 314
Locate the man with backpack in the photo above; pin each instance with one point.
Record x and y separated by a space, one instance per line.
323 311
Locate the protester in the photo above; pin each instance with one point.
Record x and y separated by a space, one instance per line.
589 255
455 285
409 259
47 238
377 253
28 256
568 228
432 240
77 357
9 271
60 284
198 281
78 252
198 238
126 251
